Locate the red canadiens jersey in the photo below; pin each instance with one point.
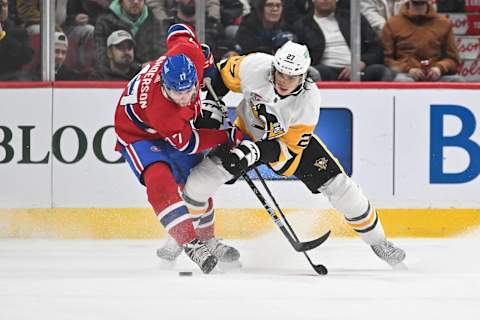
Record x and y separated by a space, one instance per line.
144 113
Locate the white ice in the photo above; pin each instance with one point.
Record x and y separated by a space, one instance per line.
120 279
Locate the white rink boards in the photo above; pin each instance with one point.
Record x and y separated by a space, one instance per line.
414 151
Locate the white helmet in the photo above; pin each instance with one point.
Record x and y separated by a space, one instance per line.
292 59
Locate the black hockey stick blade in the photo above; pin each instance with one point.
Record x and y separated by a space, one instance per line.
308 245
319 268
297 245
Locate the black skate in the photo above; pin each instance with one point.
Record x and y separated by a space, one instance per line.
200 253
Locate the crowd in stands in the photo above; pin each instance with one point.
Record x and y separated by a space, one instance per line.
401 40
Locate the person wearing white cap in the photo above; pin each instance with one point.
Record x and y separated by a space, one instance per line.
120 53
62 72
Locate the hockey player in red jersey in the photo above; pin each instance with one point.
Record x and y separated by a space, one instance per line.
154 123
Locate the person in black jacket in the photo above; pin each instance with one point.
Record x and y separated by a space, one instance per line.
297 10
62 72
185 14
259 28
15 49
81 16
326 33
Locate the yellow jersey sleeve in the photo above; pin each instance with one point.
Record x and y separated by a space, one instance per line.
230 72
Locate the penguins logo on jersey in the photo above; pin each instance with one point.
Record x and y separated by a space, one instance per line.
273 128
321 164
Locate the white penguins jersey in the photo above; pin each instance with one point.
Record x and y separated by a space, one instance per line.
263 114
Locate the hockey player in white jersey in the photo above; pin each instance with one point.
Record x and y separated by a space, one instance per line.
279 112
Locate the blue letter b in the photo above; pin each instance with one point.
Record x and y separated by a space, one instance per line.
462 140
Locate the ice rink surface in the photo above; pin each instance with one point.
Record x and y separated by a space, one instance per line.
121 279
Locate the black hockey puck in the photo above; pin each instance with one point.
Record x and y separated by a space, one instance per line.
185 273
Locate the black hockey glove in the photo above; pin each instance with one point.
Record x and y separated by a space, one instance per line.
212 116
240 158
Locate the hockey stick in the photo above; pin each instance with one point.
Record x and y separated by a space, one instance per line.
294 241
319 268
298 246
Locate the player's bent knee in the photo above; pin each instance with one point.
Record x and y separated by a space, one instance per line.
204 180
161 186
345 195
192 202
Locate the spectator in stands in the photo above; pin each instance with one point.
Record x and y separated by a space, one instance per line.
419 44
165 9
15 50
231 13
257 30
135 17
247 7
326 32
297 10
84 12
79 27
226 49
12 11
4 11
121 48
185 13
378 12
162 9
29 14
62 72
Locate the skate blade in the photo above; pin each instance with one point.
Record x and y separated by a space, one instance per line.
226 266
400 267
166 264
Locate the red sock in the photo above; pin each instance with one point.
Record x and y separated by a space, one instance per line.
206 226
162 192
